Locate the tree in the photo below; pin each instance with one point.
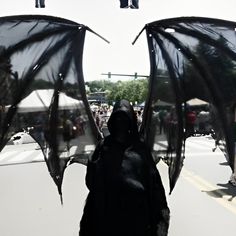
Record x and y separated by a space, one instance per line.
215 62
7 79
134 91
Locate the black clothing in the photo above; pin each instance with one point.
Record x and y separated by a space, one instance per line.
126 195
125 4
40 3
134 4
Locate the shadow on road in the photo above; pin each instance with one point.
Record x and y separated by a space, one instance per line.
227 190
224 163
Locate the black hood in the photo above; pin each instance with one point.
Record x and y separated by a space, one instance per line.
123 106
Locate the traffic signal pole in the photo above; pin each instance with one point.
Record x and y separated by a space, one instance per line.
135 75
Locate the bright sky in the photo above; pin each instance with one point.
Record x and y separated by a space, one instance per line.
119 26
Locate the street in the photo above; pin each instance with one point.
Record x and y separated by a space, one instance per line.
202 203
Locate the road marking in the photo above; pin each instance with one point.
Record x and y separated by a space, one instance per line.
200 144
190 144
39 157
227 201
16 157
6 155
89 148
216 153
21 156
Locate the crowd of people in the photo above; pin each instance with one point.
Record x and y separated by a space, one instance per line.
197 121
101 114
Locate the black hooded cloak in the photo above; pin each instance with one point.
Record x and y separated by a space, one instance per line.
126 196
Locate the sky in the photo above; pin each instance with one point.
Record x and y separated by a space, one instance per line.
119 27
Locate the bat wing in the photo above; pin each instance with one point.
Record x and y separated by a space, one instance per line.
42 89
191 58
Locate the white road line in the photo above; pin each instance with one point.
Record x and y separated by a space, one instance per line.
39 157
89 148
194 147
7 155
22 156
200 144
192 144
11 157
216 153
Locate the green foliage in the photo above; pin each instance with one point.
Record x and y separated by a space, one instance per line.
217 64
41 84
164 91
134 91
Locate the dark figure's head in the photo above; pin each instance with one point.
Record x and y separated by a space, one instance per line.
122 124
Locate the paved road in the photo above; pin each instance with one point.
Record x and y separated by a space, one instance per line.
30 204
202 203
19 154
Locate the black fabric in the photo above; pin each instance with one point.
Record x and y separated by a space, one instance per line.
123 106
133 4
124 3
41 57
191 58
41 79
126 195
40 3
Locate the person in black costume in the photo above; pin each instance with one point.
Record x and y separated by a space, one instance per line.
40 3
134 4
126 196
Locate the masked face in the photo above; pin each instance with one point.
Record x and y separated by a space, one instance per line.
121 127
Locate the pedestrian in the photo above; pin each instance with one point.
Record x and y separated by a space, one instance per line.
67 132
40 3
126 195
190 122
39 128
161 115
139 118
232 179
